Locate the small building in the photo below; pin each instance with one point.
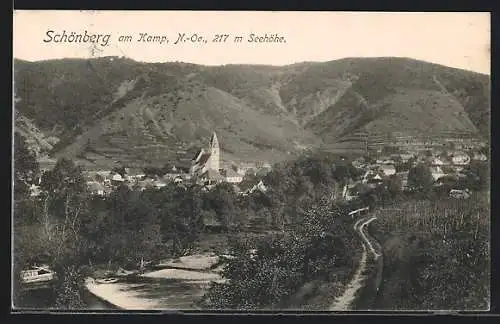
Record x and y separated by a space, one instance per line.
250 188
232 176
375 179
246 168
145 184
388 169
210 177
359 163
479 157
437 172
159 184
95 188
437 161
460 194
117 178
349 192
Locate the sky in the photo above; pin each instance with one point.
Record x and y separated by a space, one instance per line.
460 40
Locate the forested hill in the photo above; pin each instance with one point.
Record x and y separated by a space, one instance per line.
118 109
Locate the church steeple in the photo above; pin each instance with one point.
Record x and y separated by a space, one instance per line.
214 153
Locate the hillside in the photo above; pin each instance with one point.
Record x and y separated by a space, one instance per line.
114 109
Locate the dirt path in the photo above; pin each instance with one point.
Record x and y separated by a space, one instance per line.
345 301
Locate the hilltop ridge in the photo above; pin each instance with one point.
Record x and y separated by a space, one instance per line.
116 109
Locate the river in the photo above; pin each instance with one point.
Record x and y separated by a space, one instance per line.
167 293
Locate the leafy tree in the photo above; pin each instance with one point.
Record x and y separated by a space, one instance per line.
68 288
27 246
478 175
65 204
222 199
394 185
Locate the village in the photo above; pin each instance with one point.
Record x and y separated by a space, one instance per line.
447 163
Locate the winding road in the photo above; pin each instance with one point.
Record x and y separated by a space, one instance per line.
345 301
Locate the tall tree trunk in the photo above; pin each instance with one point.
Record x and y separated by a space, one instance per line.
46 219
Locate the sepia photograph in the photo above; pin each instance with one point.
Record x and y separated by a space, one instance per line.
250 161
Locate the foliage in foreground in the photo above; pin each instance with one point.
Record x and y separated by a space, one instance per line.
436 254
267 273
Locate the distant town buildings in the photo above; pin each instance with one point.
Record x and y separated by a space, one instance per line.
413 143
204 169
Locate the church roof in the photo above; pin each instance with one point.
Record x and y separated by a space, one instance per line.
203 159
214 139
197 152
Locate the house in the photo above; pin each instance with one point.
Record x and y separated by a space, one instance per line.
388 169
145 184
117 178
359 163
210 177
260 187
479 157
244 168
382 159
437 172
460 194
375 178
232 176
263 171
159 184
95 188
460 158
134 174
404 179
368 175
349 192
250 188
437 161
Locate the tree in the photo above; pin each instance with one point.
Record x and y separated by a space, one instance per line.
394 185
65 198
223 201
420 177
478 175
26 246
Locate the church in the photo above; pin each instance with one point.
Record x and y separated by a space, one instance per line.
205 165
